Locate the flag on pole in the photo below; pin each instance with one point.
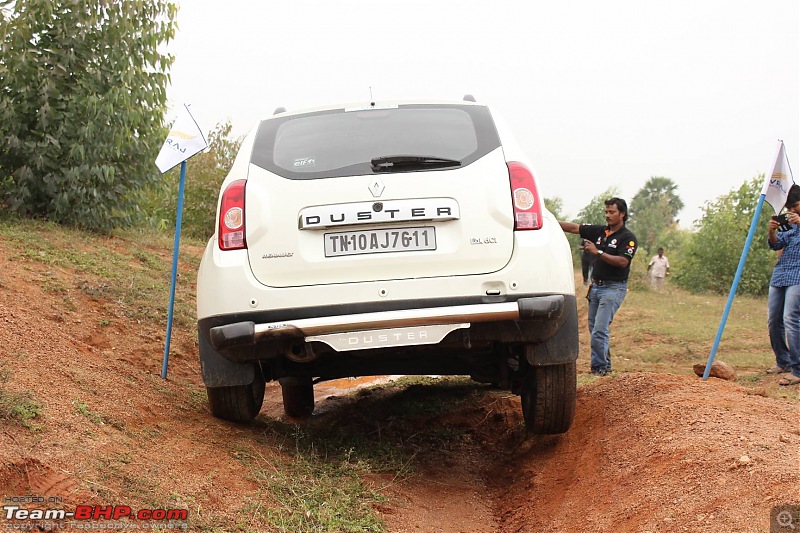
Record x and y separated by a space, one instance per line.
185 139
775 190
779 180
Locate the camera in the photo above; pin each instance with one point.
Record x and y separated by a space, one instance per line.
783 220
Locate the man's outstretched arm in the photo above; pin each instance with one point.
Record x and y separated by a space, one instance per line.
569 227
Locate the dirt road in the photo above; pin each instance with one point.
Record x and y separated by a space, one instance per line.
647 452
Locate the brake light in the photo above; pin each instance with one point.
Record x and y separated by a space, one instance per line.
525 197
231 217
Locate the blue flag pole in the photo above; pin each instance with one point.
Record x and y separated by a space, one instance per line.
178 218
735 284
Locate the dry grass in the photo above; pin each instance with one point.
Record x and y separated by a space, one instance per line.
672 330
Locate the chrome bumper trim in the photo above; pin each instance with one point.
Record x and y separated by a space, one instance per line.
248 333
388 319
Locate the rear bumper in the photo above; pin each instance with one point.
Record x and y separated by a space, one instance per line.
544 325
248 333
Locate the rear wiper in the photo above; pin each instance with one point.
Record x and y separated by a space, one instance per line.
389 163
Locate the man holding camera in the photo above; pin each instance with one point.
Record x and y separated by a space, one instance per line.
613 247
783 304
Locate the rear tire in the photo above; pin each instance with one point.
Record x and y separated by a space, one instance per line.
548 398
298 397
240 403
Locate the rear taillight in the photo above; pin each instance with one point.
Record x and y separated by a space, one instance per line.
525 197
231 217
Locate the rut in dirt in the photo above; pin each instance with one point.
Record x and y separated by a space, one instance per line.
645 452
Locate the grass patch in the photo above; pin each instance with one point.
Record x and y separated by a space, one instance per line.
672 330
20 407
320 487
384 434
750 379
83 409
196 397
312 493
130 272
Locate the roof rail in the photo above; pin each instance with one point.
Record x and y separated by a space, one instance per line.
279 110
469 98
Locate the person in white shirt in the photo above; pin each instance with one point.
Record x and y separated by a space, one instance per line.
659 269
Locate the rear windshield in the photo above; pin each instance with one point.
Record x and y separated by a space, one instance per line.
344 142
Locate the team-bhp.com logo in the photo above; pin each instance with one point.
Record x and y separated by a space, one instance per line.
120 517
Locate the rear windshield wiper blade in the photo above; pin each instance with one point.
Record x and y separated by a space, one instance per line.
389 163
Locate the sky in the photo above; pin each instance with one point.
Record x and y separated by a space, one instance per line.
599 94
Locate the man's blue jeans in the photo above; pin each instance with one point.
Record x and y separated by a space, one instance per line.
603 304
783 320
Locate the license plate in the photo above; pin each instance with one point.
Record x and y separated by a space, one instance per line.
380 241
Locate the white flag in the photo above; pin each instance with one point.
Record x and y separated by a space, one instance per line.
185 139
779 180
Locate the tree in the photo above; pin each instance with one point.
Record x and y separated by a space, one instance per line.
653 212
713 253
82 103
656 189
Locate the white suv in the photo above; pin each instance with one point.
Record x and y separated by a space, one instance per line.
400 237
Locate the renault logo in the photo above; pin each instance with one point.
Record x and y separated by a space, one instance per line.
376 187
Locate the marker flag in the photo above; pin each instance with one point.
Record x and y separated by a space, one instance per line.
779 180
185 139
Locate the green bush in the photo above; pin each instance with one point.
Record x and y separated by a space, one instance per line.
82 101
712 255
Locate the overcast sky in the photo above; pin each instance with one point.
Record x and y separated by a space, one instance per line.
599 93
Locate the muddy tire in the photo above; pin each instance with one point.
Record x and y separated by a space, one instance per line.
548 398
298 397
241 403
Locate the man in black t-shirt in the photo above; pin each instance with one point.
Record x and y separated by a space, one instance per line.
613 247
